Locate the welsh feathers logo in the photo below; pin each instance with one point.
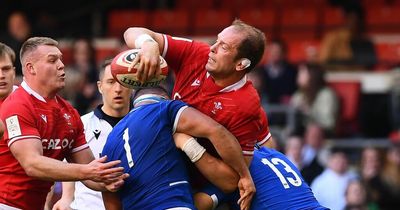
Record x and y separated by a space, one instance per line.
67 117
217 106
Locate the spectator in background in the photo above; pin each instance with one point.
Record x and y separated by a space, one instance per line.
82 76
19 30
370 172
356 197
329 188
278 76
348 48
391 180
314 157
314 100
382 180
293 151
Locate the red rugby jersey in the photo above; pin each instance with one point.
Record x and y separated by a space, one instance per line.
237 107
55 123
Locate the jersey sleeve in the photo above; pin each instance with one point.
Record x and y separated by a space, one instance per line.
245 119
20 123
248 129
265 133
180 53
80 141
175 109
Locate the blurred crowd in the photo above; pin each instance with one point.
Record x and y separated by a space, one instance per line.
340 178
347 179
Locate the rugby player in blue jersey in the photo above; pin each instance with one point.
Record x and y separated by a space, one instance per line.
143 141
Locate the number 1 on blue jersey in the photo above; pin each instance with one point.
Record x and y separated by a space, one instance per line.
128 148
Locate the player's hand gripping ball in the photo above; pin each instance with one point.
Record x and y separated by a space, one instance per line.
120 66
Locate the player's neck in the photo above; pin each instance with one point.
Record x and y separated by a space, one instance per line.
115 112
43 91
225 81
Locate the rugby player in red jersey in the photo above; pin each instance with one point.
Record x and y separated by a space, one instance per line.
213 80
41 129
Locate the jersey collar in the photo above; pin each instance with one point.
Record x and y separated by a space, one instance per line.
236 85
32 92
98 112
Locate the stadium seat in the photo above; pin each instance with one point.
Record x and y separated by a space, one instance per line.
388 53
211 22
348 93
103 53
332 17
120 20
375 3
252 4
174 22
385 19
262 18
300 4
302 50
184 4
106 48
205 4
299 23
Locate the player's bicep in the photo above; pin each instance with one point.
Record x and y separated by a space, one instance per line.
195 123
26 150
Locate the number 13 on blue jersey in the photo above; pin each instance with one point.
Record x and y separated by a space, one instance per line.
296 181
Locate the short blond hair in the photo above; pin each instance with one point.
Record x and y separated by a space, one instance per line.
33 43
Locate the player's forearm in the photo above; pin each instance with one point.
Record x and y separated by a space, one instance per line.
230 151
111 201
217 172
42 167
68 190
131 35
96 186
112 185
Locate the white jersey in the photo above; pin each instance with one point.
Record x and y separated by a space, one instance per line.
96 129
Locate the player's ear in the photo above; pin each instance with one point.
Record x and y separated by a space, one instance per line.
99 87
30 68
243 64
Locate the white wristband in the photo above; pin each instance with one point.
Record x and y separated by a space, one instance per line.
193 150
141 39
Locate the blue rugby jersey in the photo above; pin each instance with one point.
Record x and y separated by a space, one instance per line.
279 183
143 142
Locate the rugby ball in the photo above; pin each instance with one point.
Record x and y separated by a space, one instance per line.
120 66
